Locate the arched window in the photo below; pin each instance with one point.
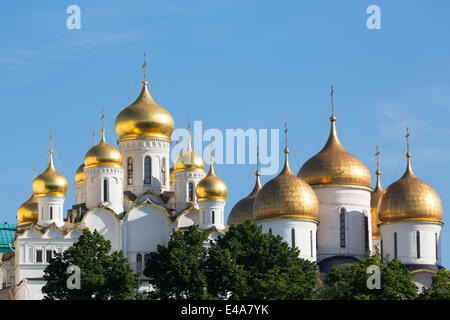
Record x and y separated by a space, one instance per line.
311 242
293 238
163 171
381 249
146 258
213 217
270 231
342 226
51 213
366 233
130 171
191 192
395 246
105 190
139 263
147 170
418 244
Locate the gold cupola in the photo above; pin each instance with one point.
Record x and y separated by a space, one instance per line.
103 154
50 182
211 187
409 199
374 200
243 210
334 166
28 211
79 175
144 118
286 196
172 176
189 160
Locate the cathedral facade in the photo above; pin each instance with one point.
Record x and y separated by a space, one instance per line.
135 199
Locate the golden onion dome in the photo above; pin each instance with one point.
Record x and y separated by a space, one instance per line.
286 196
28 211
189 160
333 165
409 199
211 187
374 201
243 210
50 182
103 154
144 118
79 175
171 176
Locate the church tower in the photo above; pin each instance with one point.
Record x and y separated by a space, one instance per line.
144 129
103 176
342 184
50 189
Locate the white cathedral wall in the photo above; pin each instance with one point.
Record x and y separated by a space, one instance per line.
51 210
107 224
305 234
182 180
138 149
80 194
187 219
143 229
356 202
407 242
94 178
211 207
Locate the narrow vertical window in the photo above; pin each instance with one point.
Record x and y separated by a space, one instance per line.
146 258
418 244
139 263
436 243
163 172
270 231
213 217
105 190
38 255
48 255
51 213
395 246
311 242
147 170
342 226
381 249
130 171
366 233
293 238
191 192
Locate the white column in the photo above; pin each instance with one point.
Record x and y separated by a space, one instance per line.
51 210
182 181
211 213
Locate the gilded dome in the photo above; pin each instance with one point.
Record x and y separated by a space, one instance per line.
28 211
50 182
409 199
286 196
374 200
79 175
243 210
334 165
103 154
211 187
171 176
144 118
189 160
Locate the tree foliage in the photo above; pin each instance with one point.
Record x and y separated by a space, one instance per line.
244 264
104 274
440 287
350 282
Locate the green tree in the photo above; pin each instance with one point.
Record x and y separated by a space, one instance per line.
350 282
440 287
176 271
104 274
247 264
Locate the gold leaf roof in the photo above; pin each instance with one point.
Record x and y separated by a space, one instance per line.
189 160
79 175
334 165
103 154
211 187
28 211
50 182
374 200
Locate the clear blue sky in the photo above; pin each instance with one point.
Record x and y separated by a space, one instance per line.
232 64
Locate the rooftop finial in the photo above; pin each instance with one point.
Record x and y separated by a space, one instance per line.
286 150
34 169
408 155
144 66
257 161
378 162
93 135
50 141
332 118
103 130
